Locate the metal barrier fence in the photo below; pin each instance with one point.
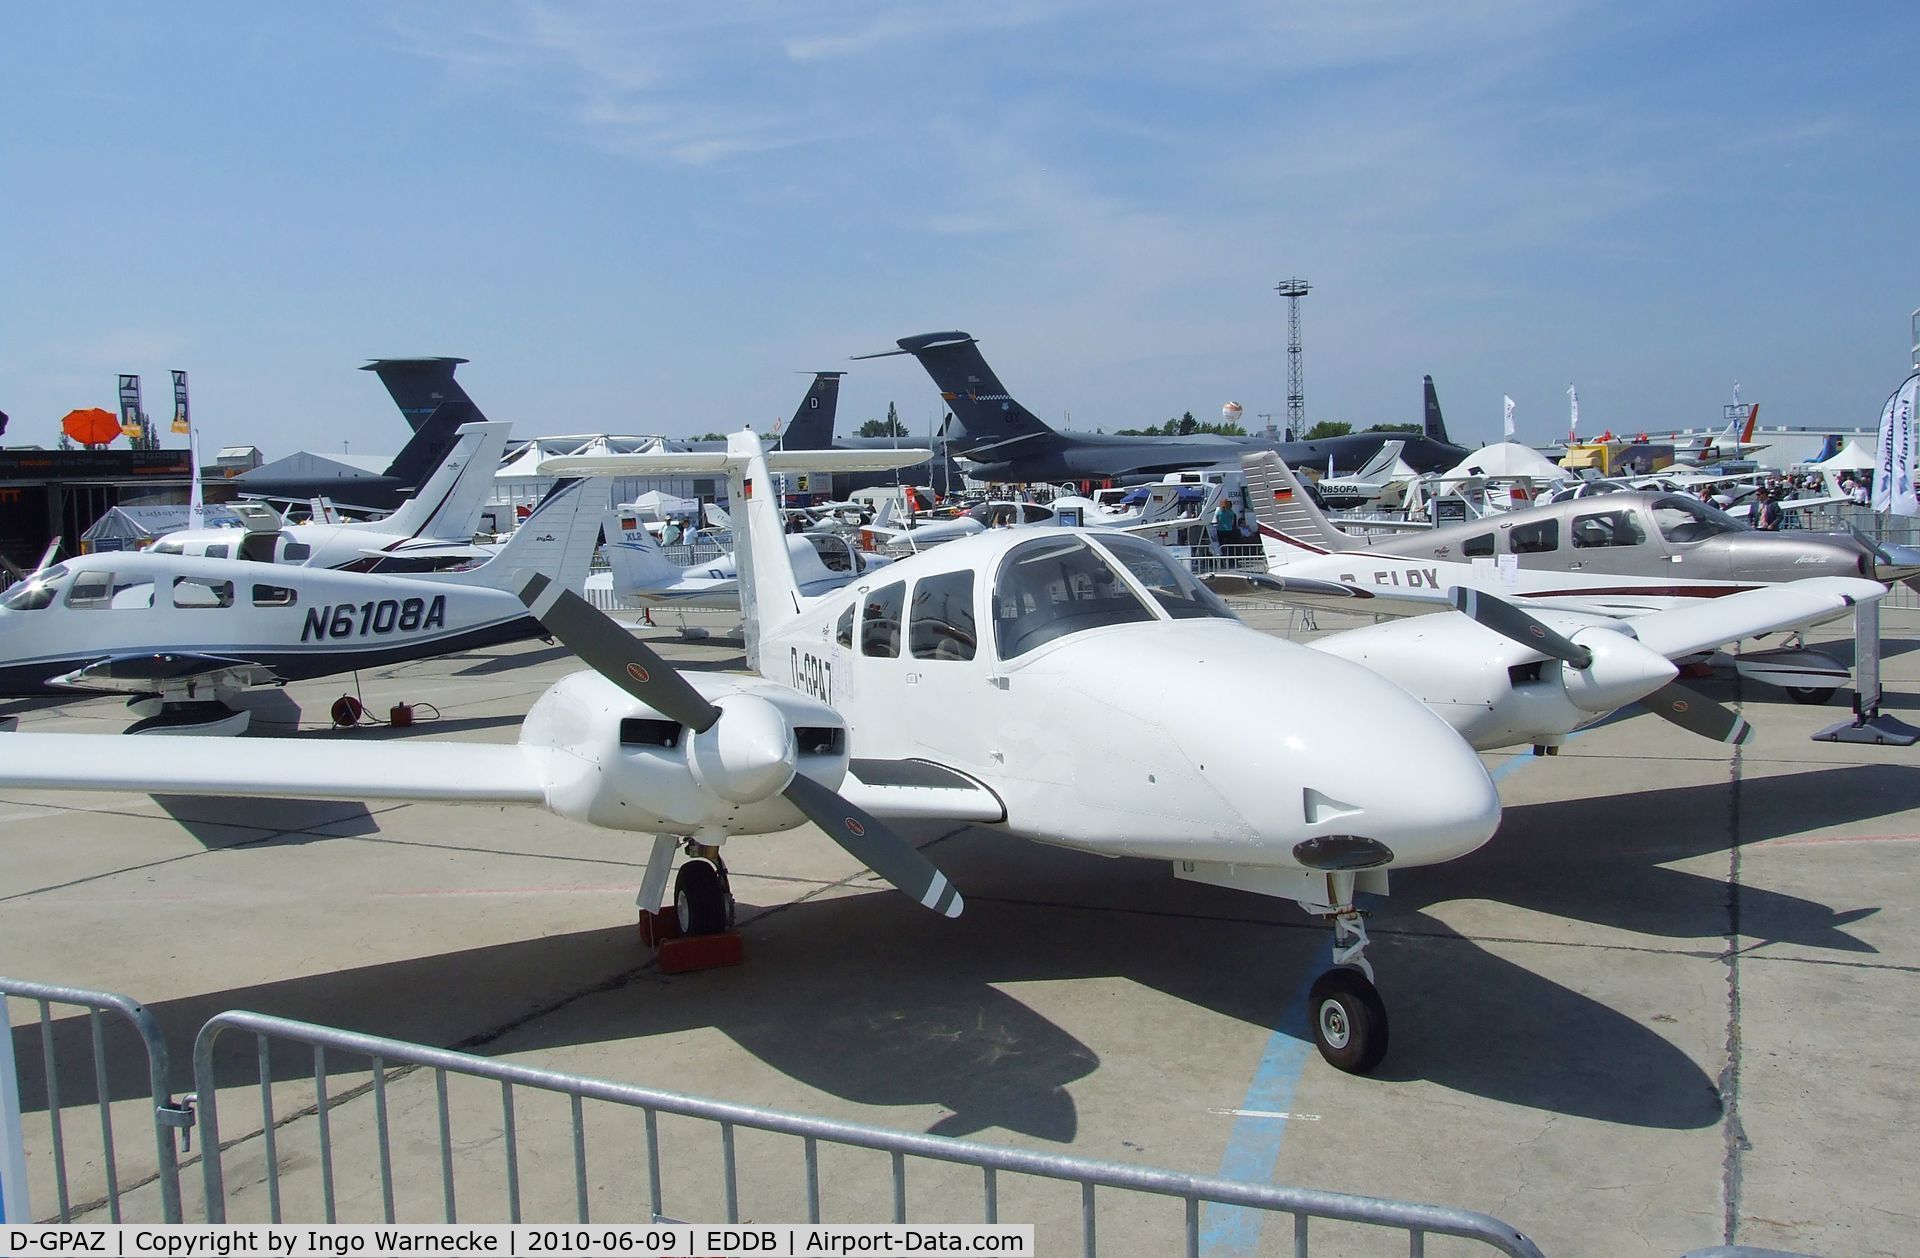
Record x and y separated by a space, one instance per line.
1416 1222
168 1116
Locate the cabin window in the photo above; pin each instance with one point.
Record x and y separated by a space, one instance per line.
274 596
168 548
1535 539
941 627
217 550
202 592
1171 585
880 621
133 595
36 593
833 551
91 589
843 632
296 552
1682 519
1607 528
1480 547
1055 586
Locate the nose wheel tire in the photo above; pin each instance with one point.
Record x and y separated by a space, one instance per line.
1810 694
701 899
1349 1020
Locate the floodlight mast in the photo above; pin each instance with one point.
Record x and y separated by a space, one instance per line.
1293 290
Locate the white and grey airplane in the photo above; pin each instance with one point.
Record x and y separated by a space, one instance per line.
430 531
184 635
1015 634
640 574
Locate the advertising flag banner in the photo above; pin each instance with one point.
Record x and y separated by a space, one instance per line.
1893 474
1509 413
181 424
1573 424
130 407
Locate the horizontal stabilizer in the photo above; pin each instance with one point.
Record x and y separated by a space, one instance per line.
275 768
718 462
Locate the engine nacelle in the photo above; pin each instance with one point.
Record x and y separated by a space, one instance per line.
615 762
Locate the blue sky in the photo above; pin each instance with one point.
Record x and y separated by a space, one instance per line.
657 217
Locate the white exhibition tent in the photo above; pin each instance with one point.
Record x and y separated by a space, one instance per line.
1851 457
658 505
1505 459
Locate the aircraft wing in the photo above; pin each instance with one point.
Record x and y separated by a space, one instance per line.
1714 622
914 789
275 768
718 462
1331 595
133 674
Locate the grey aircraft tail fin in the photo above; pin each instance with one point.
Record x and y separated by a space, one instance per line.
983 413
1435 425
436 406
1290 522
811 427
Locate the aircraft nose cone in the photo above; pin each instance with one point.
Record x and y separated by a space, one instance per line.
748 754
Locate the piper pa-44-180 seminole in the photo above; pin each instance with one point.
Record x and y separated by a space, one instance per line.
1015 635
184 635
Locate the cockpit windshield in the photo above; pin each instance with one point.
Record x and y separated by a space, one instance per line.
1054 586
36 592
834 551
1683 519
1171 585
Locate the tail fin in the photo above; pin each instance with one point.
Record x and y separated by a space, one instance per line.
1753 417
769 590
1436 424
447 506
717 517
811 427
636 559
437 407
1289 521
1380 466
983 413
557 540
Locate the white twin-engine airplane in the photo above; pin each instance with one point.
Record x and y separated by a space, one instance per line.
1586 646
185 635
1015 635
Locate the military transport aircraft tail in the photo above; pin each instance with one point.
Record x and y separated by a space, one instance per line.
436 406
1435 425
984 416
1290 521
811 427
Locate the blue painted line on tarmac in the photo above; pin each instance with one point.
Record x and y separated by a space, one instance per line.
1253 1146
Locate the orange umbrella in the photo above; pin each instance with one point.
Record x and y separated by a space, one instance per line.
91 427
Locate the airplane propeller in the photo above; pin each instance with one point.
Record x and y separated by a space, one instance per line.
1673 702
742 764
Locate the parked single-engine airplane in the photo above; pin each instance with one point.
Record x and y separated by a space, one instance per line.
1014 634
640 572
429 531
1313 562
184 635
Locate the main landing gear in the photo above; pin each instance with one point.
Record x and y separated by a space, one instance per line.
1349 1018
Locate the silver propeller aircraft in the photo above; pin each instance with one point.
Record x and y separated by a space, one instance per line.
184 635
1625 554
639 572
1015 635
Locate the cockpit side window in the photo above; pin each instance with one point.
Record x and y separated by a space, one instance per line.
1051 587
843 632
880 621
1171 585
91 589
833 552
941 627
1535 539
1607 528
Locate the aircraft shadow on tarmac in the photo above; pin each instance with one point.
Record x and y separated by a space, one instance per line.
512 661
218 822
870 999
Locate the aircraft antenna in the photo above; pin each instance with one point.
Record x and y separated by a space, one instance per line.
1293 291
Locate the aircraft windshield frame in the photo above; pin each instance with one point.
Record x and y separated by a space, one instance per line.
1174 588
1708 521
36 592
1055 587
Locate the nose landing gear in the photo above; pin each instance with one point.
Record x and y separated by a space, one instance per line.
1348 1017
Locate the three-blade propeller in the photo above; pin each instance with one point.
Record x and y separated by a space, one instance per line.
1673 702
630 664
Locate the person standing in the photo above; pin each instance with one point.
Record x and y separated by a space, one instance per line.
1226 526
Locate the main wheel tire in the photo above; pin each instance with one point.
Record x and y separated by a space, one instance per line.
1349 1020
700 899
1810 694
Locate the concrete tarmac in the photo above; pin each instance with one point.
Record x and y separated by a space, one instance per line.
1668 1006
